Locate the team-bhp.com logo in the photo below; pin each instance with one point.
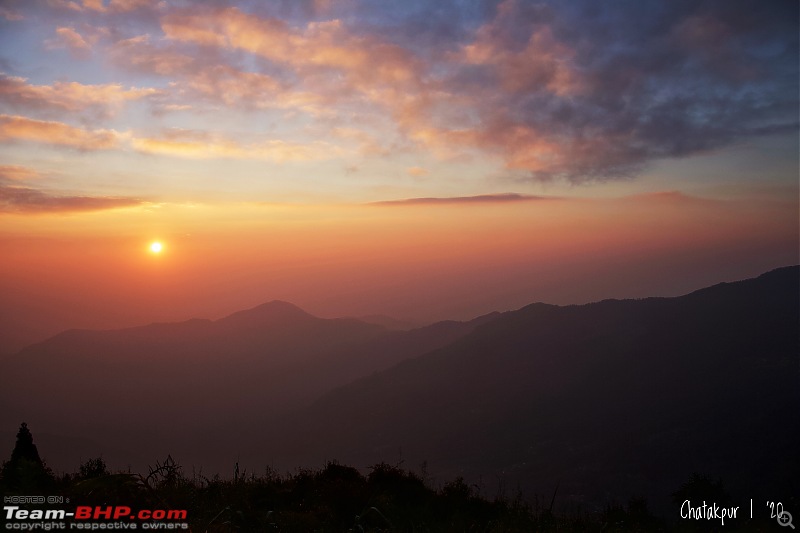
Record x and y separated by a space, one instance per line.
94 518
86 512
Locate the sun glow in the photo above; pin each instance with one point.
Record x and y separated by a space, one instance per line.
156 247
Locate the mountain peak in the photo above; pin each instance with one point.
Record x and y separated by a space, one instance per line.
278 306
275 311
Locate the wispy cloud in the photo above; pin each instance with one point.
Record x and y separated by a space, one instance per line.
17 128
547 89
366 65
591 105
600 104
16 173
211 81
16 93
138 53
99 6
10 15
202 145
71 40
466 200
23 200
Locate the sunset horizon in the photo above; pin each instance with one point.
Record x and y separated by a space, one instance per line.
406 162
527 241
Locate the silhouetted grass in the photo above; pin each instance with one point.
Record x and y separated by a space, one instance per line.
336 498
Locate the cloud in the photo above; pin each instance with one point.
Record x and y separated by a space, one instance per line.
553 90
94 5
202 145
103 100
598 104
670 198
231 87
70 5
132 5
22 200
17 128
466 200
10 15
16 173
190 144
99 6
140 54
417 172
367 144
71 40
209 80
366 61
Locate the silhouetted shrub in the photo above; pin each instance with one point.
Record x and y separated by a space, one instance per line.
93 468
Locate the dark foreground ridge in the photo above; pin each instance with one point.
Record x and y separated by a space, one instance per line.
333 498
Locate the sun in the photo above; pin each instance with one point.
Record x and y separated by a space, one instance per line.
156 247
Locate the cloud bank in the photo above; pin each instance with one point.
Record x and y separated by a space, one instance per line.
576 91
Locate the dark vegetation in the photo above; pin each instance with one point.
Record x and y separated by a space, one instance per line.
334 498
339 498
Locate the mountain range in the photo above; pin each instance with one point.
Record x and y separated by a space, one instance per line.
605 400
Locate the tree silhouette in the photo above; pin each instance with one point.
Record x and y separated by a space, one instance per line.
25 470
25 448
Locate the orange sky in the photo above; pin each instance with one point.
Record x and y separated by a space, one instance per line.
419 262
424 160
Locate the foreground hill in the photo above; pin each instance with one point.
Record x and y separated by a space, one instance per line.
616 397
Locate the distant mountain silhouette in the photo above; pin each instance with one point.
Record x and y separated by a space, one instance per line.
611 398
389 322
616 397
275 312
176 383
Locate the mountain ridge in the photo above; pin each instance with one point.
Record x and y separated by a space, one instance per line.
268 310
543 380
597 396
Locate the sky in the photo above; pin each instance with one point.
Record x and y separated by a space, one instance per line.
422 160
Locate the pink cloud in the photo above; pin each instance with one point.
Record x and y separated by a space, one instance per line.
68 96
140 54
71 40
364 59
523 85
17 128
